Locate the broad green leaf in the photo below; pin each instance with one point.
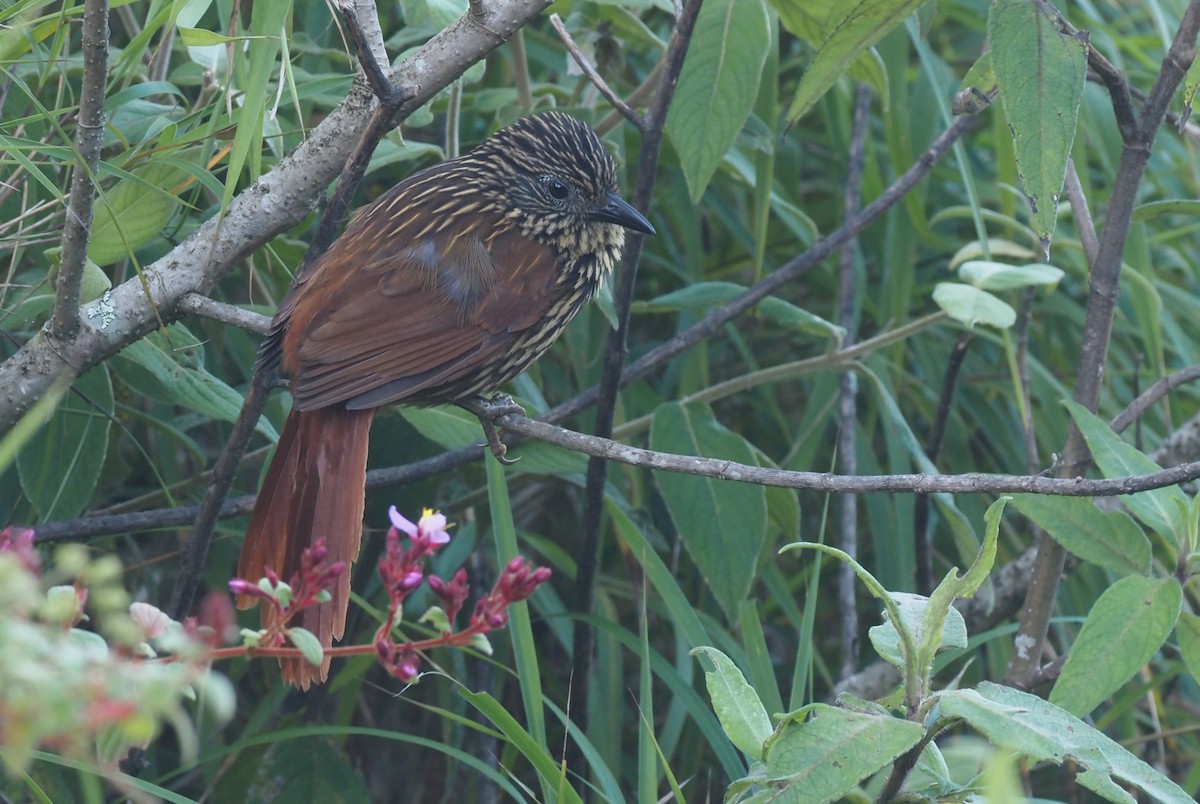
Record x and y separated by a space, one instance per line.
1161 509
1000 276
1127 625
863 25
198 37
1187 631
737 705
826 756
996 247
718 86
1107 539
706 295
133 212
31 424
304 769
971 306
722 524
1040 72
451 427
1034 728
913 611
447 426
940 625
60 465
980 77
171 364
308 645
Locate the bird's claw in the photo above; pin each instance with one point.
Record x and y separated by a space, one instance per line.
488 410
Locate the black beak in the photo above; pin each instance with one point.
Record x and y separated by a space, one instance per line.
615 210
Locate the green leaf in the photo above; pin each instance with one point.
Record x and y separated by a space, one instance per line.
133 212
826 756
308 645
1125 628
706 295
548 769
172 369
1187 207
305 769
718 86
862 26
447 426
1107 539
1161 509
996 247
971 306
60 465
987 275
723 525
1191 83
737 705
1187 631
913 610
1040 72
1034 728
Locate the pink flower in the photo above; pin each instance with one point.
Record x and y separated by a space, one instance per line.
430 528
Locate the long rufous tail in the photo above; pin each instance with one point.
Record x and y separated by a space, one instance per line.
314 490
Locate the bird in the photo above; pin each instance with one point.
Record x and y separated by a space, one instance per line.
442 290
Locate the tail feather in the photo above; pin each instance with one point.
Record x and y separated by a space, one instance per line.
313 490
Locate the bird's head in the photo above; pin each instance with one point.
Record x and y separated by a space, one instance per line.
558 183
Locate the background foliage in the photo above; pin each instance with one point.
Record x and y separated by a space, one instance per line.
204 97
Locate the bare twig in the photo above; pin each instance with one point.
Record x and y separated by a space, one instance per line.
828 482
195 304
937 432
597 80
89 131
1153 394
847 581
971 482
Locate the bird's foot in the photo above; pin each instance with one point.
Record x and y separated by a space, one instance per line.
488 410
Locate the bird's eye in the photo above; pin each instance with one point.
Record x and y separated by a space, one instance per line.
558 191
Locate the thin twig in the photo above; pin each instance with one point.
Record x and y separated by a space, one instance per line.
89 134
937 433
231 314
847 581
597 80
970 483
1152 395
